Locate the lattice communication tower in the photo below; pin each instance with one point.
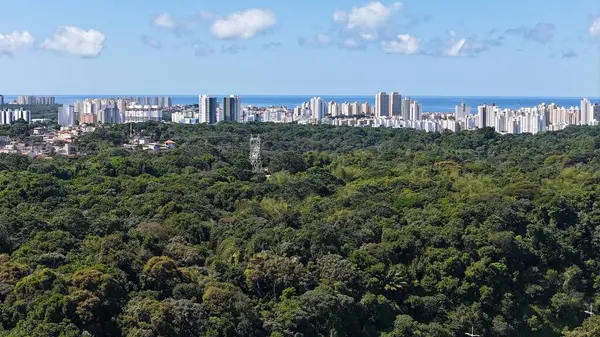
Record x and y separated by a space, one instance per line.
255 158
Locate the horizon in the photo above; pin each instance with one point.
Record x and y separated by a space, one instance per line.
296 95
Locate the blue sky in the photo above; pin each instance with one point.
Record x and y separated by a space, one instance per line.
415 47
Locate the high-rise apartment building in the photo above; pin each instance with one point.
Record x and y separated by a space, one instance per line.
356 108
596 112
208 109
415 111
406 102
89 108
135 113
482 112
231 108
333 108
461 111
35 100
346 109
587 112
110 115
8 116
1 100
318 107
395 104
121 104
366 108
382 105
66 115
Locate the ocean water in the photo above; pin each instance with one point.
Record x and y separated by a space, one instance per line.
429 103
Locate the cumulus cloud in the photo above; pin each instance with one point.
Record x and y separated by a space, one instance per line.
368 36
352 44
340 16
454 46
594 28
319 40
15 41
543 32
361 26
370 16
403 44
244 25
150 42
468 47
76 41
164 20
183 26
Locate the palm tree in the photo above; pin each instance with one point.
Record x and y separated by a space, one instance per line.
393 281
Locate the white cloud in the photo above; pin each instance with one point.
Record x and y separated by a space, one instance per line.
164 20
370 16
319 40
181 26
352 44
456 48
76 41
594 28
468 47
404 44
368 36
15 41
244 25
339 16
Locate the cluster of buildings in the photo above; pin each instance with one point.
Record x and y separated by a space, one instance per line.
145 143
48 142
386 106
389 110
211 110
113 110
160 101
8 116
394 111
541 118
31 100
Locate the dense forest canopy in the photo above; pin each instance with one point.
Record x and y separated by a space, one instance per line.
353 232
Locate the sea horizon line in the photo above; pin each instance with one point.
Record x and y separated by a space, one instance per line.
299 95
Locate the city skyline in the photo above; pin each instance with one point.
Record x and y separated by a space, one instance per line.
390 110
429 48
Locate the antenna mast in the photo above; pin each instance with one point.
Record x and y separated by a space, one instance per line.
591 311
472 333
255 158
